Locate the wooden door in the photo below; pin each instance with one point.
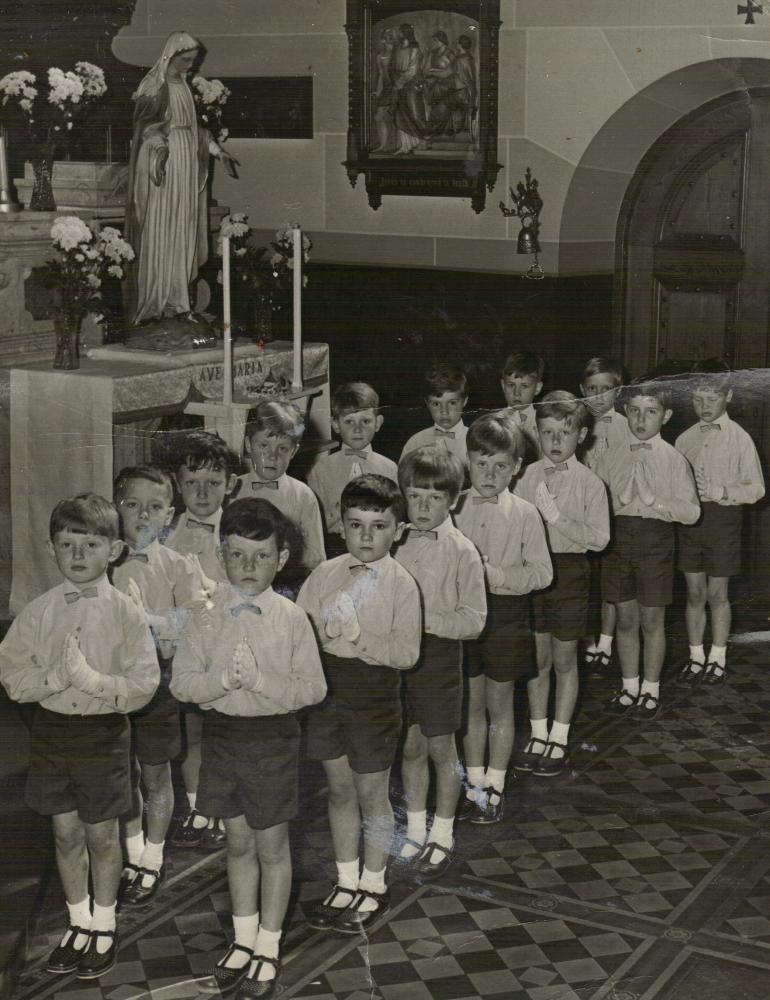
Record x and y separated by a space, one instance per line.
693 273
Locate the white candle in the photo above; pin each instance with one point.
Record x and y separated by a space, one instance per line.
296 381
227 392
3 165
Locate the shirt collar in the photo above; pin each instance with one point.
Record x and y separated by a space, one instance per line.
263 601
653 441
366 452
457 428
377 564
152 551
722 422
473 492
103 586
442 530
214 518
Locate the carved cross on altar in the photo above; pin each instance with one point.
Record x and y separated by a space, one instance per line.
750 9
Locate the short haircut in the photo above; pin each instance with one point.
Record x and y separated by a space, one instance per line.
654 388
603 366
277 418
444 377
432 468
712 373
258 519
464 42
151 473
441 36
373 492
496 432
199 449
85 514
353 396
563 405
524 363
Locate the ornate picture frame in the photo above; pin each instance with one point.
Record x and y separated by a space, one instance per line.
422 97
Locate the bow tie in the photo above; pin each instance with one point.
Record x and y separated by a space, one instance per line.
476 500
357 568
238 608
522 415
642 444
556 468
604 420
418 533
710 427
192 523
271 484
353 451
75 595
443 434
139 556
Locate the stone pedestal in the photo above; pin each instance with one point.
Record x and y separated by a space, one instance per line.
81 184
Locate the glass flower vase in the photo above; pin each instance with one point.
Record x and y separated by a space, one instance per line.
67 326
42 199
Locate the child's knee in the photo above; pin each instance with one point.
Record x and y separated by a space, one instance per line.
442 749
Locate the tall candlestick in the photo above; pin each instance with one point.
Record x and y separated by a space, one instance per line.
227 392
296 382
7 201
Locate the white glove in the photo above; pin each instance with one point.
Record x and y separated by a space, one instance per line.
156 621
81 675
246 667
546 504
707 490
494 574
643 487
340 618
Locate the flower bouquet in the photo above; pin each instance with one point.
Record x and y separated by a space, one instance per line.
49 115
266 272
210 97
86 260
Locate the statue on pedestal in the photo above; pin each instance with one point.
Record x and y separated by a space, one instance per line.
166 211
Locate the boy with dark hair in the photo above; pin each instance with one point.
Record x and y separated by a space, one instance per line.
356 418
273 437
163 584
521 380
573 503
651 487
509 535
83 652
249 659
450 576
205 469
366 612
600 386
727 475
446 395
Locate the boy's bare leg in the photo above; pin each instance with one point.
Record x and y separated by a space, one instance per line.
566 669
443 753
377 816
609 618
275 865
243 881
71 855
654 631
160 800
627 638
721 612
103 842
499 695
415 778
344 810
539 688
475 739
695 610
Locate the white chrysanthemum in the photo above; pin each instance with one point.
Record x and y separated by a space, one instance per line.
115 271
91 253
92 78
68 231
94 280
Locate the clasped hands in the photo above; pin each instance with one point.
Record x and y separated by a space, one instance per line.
639 483
546 503
75 668
243 671
340 618
708 491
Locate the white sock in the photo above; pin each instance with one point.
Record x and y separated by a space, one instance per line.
103 920
604 645
651 687
591 647
559 734
496 779
475 780
245 935
134 848
630 687
416 830
539 729
442 831
268 944
152 856
79 916
191 798
718 654
697 654
200 822
371 882
348 874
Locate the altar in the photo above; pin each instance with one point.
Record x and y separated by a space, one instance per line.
68 432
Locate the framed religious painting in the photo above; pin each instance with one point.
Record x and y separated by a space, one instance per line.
422 116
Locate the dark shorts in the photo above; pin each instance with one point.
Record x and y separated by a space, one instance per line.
79 763
641 564
156 730
562 609
360 718
250 767
505 650
433 690
713 545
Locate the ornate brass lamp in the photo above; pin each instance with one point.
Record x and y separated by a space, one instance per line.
527 206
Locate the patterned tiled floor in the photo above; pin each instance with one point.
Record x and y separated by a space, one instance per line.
643 874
